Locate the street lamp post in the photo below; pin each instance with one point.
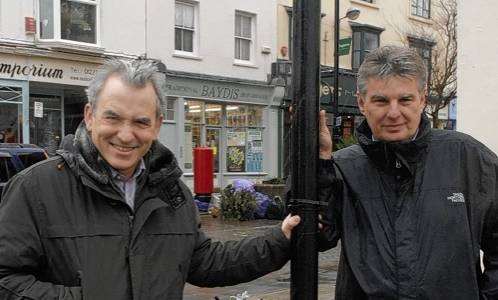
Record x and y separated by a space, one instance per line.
352 14
304 148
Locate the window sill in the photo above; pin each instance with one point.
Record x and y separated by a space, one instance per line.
187 55
420 19
244 63
71 45
169 122
365 4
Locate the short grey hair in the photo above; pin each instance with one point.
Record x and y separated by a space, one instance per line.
136 73
389 61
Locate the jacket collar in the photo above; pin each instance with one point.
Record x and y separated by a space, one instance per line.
85 160
386 154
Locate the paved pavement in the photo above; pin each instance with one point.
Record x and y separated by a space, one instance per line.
274 286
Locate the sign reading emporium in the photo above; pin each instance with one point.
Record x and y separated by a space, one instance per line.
46 70
32 70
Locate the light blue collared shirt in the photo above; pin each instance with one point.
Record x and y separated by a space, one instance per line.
128 186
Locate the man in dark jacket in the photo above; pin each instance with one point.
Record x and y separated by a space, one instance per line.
111 218
411 205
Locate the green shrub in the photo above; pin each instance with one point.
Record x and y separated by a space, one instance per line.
238 205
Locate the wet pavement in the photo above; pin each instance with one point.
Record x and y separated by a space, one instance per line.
274 286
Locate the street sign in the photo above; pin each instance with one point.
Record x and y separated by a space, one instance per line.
344 46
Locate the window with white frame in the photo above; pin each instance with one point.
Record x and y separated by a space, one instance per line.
168 109
421 8
184 26
70 20
243 35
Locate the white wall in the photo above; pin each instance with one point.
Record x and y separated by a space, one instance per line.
478 70
216 37
12 15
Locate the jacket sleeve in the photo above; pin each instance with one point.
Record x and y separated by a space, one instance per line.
330 189
489 241
232 262
21 250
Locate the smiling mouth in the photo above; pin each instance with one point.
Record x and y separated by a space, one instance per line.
124 148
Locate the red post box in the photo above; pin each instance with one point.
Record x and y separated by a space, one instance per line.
203 173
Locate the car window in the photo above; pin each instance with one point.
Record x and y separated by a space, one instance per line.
7 169
29 159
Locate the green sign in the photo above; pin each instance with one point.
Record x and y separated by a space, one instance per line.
344 46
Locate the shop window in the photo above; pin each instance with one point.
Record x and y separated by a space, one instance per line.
10 114
213 114
243 36
169 109
236 115
76 21
241 125
244 151
185 26
421 8
365 39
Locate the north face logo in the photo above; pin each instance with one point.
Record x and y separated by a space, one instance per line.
457 198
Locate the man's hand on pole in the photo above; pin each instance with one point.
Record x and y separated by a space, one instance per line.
289 223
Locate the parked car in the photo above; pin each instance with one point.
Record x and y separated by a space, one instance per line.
17 157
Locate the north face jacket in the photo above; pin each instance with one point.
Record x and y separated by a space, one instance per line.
66 233
412 217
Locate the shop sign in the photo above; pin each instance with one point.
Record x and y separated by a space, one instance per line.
347 91
38 109
209 89
344 46
46 70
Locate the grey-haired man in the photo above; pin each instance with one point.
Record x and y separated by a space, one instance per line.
411 205
111 218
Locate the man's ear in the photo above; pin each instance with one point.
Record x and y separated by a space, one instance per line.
88 114
361 102
159 122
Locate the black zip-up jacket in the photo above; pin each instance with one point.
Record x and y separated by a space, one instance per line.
412 217
66 233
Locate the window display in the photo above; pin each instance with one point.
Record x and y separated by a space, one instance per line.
234 132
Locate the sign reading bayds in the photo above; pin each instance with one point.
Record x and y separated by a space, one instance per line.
46 70
210 89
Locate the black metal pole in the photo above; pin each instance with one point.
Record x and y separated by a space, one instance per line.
304 151
336 60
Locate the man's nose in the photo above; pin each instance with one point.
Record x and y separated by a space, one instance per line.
126 134
393 112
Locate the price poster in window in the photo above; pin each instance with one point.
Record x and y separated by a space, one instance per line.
236 137
254 159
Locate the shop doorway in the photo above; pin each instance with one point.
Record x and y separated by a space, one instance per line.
46 124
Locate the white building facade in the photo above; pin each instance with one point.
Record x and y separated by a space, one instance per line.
217 54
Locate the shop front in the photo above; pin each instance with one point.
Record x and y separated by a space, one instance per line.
238 120
41 98
349 116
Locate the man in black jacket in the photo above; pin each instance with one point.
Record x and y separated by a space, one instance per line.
411 205
111 219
